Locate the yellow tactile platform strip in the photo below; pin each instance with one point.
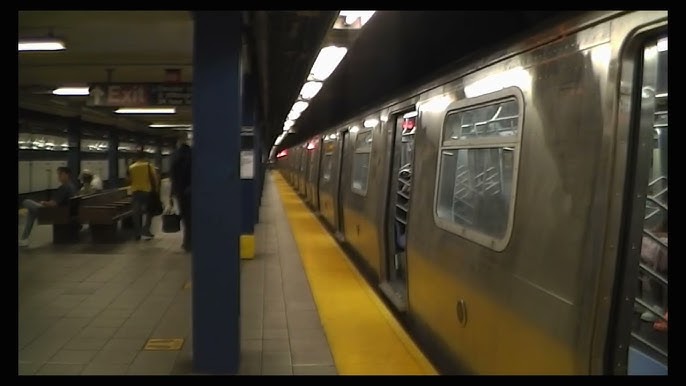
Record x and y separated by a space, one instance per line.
364 336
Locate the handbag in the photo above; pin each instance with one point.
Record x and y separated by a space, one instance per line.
154 203
171 222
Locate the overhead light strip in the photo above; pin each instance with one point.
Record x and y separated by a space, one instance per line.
49 44
143 110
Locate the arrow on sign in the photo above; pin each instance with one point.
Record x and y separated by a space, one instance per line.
97 94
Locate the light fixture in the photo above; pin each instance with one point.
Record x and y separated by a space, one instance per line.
43 44
169 125
69 91
288 123
310 89
299 106
326 62
146 110
662 45
293 115
352 16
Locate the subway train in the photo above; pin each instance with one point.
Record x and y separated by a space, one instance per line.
514 211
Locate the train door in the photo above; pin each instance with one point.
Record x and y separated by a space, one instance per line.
394 283
343 139
641 301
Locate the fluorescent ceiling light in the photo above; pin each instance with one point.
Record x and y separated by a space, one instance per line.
352 16
71 91
288 123
662 45
146 110
49 44
310 89
161 125
326 62
299 106
293 115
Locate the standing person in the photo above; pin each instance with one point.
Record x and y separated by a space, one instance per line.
60 197
143 181
181 188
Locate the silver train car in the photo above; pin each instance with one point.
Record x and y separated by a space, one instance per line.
514 212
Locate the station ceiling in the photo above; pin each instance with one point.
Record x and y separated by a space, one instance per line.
398 51
138 46
395 50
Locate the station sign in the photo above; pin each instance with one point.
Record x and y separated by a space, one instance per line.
140 94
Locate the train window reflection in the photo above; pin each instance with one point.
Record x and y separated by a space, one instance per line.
495 120
475 184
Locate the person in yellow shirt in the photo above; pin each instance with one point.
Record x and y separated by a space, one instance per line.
142 176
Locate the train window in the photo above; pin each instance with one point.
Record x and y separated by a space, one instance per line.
361 160
477 170
327 162
649 324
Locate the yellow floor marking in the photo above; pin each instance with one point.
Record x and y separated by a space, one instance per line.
363 335
173 344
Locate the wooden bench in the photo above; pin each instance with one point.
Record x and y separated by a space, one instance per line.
64 220
103 212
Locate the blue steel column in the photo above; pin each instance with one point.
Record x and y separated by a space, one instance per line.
113 159
74 141
215 197
249 198
158 154
257 145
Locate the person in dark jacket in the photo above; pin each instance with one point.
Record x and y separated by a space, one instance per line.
181 188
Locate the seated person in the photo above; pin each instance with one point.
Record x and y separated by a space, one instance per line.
91 183
60 197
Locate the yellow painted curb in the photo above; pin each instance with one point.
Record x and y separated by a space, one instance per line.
247 246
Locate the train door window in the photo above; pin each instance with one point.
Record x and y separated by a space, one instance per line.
327 162
361 158
648 350
478 159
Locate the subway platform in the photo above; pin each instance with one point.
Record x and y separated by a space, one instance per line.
126 308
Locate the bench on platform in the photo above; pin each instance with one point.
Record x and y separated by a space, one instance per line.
103 212
64 220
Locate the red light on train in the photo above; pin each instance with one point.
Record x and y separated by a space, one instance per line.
282 153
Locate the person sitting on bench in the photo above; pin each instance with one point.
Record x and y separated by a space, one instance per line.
91 183
60 197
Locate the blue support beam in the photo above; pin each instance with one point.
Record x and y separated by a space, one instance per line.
74 142
215 199
249 139
113 158
158 154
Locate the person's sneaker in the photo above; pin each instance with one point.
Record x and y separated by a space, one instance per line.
23 242
147 237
